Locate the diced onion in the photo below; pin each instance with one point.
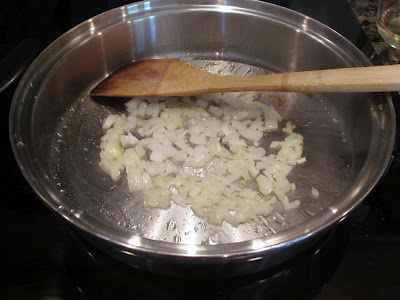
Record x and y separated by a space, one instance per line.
204 153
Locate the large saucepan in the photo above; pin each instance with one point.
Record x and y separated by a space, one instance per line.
55 130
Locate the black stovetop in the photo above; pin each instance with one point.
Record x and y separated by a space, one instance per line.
43 258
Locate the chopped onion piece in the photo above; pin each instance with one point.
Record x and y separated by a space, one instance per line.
314 192
251 134
264 184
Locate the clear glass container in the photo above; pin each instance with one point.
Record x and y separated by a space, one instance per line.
388 21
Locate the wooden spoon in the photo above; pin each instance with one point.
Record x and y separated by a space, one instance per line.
161 77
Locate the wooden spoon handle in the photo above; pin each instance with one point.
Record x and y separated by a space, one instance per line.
363 79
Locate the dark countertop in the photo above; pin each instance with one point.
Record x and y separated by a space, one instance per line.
365 11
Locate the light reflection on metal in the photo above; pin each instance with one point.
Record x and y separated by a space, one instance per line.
132 9
225 8
153 30
147 5
255 258
333 209
92 28
127 253
304 25
257 244
191 249
135 241
123 13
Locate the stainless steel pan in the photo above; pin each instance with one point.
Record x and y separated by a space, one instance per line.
55 130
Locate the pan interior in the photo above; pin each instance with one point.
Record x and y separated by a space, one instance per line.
75 156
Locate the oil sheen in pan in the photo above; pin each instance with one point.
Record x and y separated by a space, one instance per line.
75 158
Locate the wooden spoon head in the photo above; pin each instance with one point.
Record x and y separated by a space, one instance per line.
152 78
